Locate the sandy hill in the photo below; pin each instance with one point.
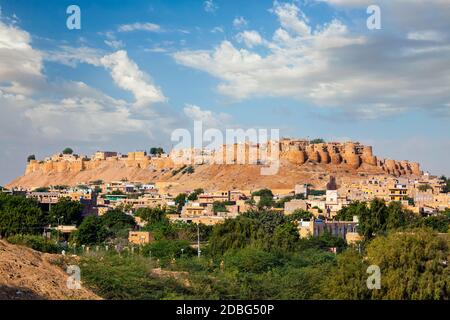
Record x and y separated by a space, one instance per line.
301 161
209 177
27 274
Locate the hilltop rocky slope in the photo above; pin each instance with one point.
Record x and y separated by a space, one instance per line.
27 274
300 162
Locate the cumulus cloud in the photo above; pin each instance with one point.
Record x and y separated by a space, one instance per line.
218 29
207 117
365 75
20 65
250 38
429 35
138 26
239 22
72 56
34 109
210 6
128 76
291 18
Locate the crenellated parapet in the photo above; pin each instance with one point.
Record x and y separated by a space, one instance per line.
350 155
73 163
298 152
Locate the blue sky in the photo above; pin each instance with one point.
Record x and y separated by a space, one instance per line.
137 70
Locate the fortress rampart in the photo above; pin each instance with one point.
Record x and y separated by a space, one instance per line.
75 163
298 152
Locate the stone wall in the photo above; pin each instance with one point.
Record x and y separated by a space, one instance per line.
298 152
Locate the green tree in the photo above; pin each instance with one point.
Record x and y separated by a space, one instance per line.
356 208
42 189
373 220
31 157
263 193
285 237
156 151
194 194
67 151
424 187
413 265
446 184
189 170
300 214
440 222
151 215
19 215
317 140
219 206
91 231
180 200
266 199
347 281
118 223
398 217
70 211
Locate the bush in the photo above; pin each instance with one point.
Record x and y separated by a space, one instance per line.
118 277
165 249
316 141
38 243
251 260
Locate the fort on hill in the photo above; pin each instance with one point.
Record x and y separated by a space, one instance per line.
299 159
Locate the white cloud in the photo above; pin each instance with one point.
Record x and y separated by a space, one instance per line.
71 56
83 118
365 76
218 29
210 6
20 65
291 18
138 26
156 50
115 44
429 35
250 38
208 118
239 22
128 76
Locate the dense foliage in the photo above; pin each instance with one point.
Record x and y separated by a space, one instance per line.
67 151
35 242
413 265
66 212
257 255
114 224
19 215
377 217
156 151
446 182
91 231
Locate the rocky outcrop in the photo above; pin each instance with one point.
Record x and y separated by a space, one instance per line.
332 156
